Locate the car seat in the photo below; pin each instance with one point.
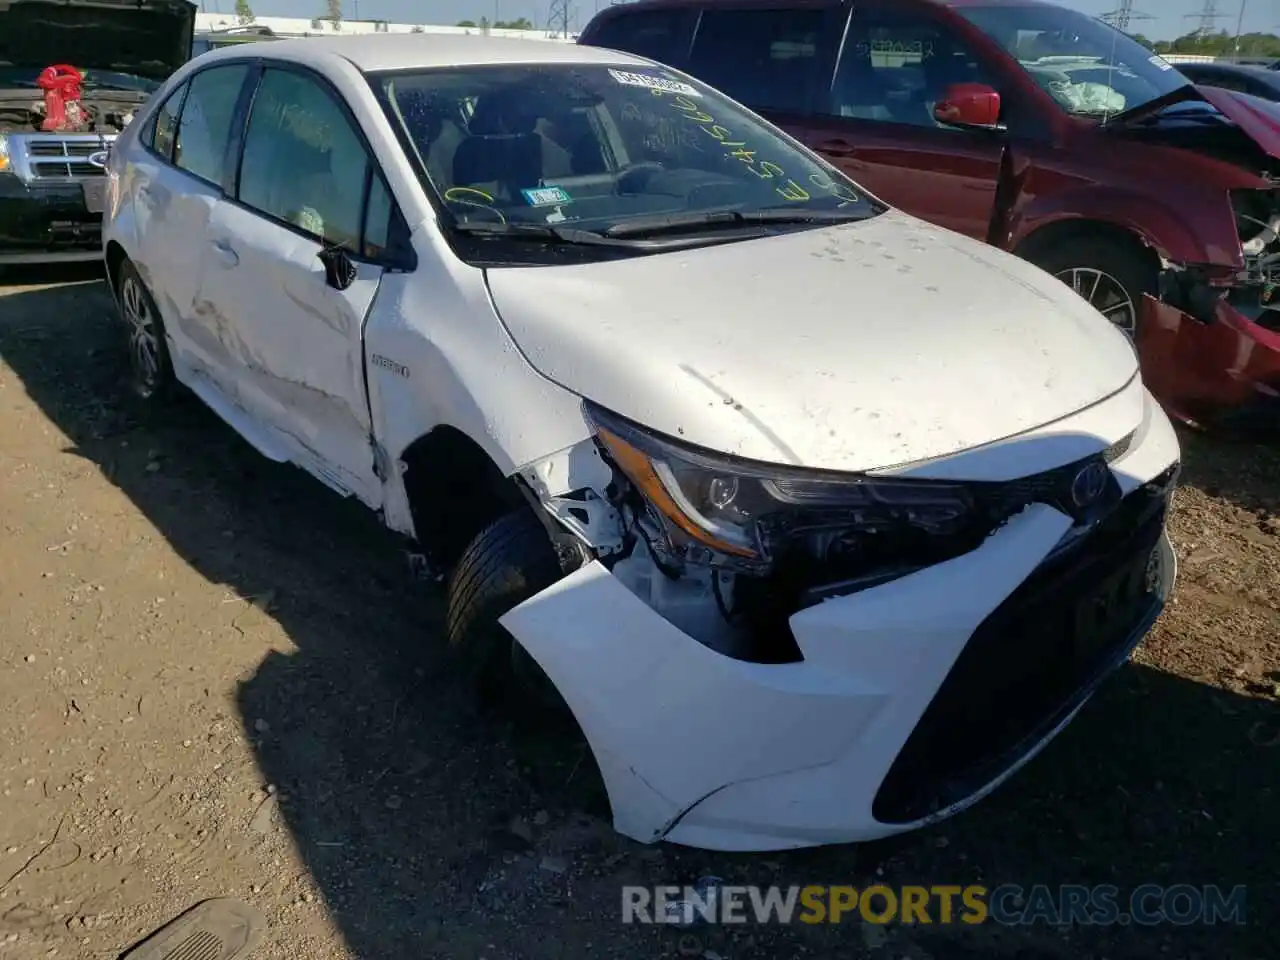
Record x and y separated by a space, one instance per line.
503 153
433 123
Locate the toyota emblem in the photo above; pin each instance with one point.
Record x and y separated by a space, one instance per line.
99 159
1089 484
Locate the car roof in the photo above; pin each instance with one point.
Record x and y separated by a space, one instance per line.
621 9
405 51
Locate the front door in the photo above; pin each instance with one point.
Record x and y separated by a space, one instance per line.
878 124
298 335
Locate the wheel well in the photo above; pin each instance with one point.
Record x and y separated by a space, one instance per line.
115 257
454 490
1045 238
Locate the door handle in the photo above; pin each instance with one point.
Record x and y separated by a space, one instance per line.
226 253
837 147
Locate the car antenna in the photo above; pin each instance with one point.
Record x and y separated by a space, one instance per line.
1111 67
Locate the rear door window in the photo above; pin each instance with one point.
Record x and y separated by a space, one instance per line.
766 58
661 35
164 124
204 131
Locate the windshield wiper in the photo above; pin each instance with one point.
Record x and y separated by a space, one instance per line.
1201 113
731 219
540 232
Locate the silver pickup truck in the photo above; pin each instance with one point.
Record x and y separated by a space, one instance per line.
51 172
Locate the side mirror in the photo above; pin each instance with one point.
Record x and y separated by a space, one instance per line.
339 271
969 105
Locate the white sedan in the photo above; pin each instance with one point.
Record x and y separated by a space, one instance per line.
821 521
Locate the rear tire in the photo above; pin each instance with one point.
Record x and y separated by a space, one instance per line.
151 378
505 564
1112 274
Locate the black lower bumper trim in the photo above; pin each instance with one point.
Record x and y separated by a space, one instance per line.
46 221
1033 661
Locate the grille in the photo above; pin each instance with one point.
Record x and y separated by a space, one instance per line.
1032 661
62 159
1053 487
50 158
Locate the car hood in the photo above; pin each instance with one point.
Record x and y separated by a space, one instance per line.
148 38
1258 119
852 347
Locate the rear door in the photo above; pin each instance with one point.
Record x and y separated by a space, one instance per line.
876 124
307 182
177 182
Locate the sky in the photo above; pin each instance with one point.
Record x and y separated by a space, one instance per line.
1169 18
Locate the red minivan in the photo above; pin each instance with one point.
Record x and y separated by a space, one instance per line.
1038 129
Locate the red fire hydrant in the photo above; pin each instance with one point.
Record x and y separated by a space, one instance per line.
61 86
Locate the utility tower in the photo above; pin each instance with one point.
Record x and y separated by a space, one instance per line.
558 17
1121 18
1209 15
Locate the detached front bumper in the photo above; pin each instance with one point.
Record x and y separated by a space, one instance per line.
46 222
913 699
1220 374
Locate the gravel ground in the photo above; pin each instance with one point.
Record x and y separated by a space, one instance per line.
217 679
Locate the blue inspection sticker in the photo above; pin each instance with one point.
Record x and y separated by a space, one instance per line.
546 196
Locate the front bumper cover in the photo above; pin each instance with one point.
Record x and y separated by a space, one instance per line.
1224 373
705 750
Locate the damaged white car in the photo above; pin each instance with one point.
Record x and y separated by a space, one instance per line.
820 520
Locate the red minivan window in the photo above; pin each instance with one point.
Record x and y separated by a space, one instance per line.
767 58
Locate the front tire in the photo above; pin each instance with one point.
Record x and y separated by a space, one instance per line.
1111 274
505 564
151 377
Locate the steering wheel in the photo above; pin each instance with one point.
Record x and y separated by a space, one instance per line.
632 172
463 197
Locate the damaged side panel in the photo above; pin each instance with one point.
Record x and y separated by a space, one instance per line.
263 316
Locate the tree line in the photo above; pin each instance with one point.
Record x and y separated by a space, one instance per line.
1219 44
522 24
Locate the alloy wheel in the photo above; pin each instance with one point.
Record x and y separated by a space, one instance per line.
1105 293
144 342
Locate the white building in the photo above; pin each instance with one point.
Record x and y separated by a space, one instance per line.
302 27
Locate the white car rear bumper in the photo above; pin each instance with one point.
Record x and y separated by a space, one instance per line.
859 740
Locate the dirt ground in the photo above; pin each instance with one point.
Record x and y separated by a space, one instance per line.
218 679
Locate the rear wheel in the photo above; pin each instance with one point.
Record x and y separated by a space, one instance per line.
1113 275
151 376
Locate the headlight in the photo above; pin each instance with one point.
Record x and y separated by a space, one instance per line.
754 512
4 154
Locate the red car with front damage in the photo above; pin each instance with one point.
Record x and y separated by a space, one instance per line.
1038 129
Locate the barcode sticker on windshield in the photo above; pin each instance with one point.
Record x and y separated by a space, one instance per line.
653 83
1160 62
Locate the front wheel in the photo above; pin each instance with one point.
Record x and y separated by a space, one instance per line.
507 563
1112 275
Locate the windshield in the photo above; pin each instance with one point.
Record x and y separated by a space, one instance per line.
1088 67
588 148
22 78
